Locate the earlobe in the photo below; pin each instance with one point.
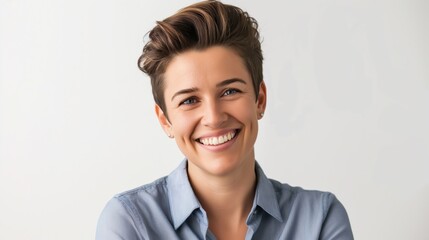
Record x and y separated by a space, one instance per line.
163 120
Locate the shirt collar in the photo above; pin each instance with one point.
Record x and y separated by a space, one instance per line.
180 195
183 200
265 195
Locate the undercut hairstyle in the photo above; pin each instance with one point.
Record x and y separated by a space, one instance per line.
198 27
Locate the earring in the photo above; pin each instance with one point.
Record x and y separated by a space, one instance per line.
262 114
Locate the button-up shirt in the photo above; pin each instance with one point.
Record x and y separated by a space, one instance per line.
168 209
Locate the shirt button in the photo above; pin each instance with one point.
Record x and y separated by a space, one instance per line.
255 212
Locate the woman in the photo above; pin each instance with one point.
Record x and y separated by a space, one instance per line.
205 65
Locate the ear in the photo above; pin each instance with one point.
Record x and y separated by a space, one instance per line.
261 100
163 120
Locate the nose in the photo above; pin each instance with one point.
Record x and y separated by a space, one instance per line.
214 115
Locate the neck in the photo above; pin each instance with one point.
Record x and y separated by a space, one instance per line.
227 198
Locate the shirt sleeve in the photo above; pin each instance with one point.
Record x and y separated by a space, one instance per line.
336 225
115 223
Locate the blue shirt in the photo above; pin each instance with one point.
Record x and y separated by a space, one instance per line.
168 209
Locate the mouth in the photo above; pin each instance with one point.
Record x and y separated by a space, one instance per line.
218 140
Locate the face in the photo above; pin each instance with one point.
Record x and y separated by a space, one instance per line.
212 110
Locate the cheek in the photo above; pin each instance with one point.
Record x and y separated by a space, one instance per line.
245 111
183 125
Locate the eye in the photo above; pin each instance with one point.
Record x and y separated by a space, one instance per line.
230 91
189 101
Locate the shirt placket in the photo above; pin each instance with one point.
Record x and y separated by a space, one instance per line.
253 223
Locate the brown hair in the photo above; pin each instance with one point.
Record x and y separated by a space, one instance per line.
200 26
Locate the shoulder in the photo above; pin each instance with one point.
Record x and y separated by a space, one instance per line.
139 195
127 212
148 198
319 209
154 189
294 193
304 202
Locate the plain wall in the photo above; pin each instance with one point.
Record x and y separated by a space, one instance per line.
348 110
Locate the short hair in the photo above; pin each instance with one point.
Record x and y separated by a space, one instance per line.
200 26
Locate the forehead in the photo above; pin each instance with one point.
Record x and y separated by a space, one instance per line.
204 67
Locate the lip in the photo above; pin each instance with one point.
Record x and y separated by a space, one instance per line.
222 146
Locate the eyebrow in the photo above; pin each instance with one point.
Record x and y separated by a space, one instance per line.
184 91
221 84
230 81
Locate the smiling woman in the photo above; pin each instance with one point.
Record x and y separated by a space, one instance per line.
205 65
210 97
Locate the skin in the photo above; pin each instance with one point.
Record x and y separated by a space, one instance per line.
209 93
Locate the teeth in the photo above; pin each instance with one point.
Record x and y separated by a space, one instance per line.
218 140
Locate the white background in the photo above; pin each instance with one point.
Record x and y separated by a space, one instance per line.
348 110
